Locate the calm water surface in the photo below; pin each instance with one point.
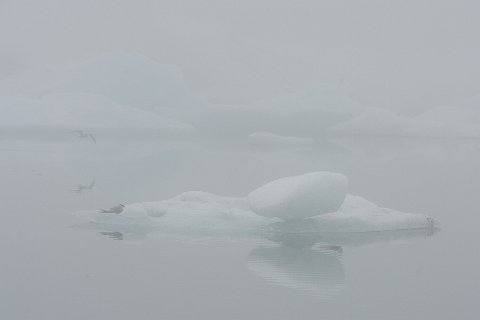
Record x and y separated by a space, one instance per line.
52 267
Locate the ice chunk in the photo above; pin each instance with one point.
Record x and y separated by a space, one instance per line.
301 196
274 140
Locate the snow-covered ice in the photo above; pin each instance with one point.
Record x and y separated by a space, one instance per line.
275 140
196 211
301 196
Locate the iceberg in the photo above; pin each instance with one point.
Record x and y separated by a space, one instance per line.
459 121
308 112
128 79
197 211
58 114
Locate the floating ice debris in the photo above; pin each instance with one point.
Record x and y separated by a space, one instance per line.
274 140
301 196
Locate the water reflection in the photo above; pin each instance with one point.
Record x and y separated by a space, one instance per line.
80 188
302 234
311 261
317 270
290 255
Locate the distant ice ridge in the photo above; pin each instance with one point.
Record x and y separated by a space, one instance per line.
58 114
458 121
306 204
275 140
308 112
128 79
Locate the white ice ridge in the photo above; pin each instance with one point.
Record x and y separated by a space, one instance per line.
128 79
459 121
196 210
271 139
63 112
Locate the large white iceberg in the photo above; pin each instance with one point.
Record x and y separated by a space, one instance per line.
128 79
301 196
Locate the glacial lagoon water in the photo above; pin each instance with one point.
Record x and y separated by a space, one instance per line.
54 266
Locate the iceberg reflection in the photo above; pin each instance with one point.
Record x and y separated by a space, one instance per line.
318 270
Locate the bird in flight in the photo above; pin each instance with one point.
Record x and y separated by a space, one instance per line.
84 135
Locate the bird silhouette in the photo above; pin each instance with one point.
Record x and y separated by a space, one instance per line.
84 135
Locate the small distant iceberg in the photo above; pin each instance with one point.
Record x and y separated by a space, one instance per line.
310 203
269 139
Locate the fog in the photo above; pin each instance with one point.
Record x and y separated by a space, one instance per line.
239 159
407 56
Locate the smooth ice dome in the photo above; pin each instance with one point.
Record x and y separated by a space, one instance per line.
275 140
301 196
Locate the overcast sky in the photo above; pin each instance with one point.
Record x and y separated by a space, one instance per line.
405 55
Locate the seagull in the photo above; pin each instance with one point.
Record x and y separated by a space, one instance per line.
83 135
81 187
117 209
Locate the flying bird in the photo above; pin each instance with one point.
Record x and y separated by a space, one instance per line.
84 135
